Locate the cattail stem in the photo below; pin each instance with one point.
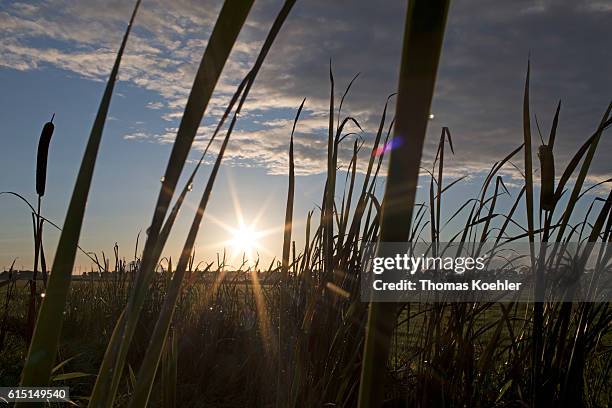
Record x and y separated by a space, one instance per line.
41 181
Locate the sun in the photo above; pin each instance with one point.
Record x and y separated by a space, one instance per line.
245 239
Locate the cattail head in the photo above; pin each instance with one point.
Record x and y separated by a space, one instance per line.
547 174
41 160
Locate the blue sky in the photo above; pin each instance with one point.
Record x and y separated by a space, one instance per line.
55 56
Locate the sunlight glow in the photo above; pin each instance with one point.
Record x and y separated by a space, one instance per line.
248 236
245 239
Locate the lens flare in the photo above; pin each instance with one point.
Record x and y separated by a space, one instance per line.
390 145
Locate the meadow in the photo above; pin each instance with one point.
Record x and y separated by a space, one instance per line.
173 333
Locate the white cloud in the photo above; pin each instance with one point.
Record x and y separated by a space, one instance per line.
155 105
137 136
478 92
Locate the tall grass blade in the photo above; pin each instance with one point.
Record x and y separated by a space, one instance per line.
538 308
283 332
584 169
147 371
290 198
45 340
330 187
527 157
422 45
228 25
361 202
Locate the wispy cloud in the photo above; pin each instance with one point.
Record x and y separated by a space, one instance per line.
478 93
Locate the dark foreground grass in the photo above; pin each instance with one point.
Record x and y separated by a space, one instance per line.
217 327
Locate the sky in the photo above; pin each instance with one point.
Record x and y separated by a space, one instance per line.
55 57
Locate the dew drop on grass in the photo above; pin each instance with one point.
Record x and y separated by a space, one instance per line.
162 179
190 187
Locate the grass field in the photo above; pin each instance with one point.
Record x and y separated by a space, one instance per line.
223 331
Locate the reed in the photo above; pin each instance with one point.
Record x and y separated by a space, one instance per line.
228 25
423 34
147 372
41 182
44 344
285 335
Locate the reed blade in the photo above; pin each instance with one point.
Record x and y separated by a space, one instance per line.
153 354
422 45
229 23
45 340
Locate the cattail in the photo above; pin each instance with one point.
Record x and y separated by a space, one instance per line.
43 152
547 175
